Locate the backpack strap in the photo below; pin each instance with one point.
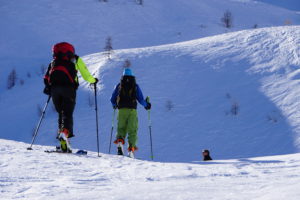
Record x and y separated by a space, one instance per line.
63 69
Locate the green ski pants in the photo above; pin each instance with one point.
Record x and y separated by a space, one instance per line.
128 123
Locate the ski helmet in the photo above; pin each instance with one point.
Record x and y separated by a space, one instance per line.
127 72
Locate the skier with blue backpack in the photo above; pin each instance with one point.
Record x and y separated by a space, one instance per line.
124 98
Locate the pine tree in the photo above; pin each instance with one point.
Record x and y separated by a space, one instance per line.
127 64
108 47
140 2
11 79
227 19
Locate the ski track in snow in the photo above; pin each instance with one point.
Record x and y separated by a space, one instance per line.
37 175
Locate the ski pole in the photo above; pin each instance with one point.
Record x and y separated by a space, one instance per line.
39 123
96 109
150 128
112 129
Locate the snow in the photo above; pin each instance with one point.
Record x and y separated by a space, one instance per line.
233 91
288 4
37 175
87 23
202 80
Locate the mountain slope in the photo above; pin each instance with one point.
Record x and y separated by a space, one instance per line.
36 175
288 4
235 94
30 28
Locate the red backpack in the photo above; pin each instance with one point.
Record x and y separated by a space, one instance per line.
62 70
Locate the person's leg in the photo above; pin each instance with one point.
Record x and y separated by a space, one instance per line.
122 123
132 128
68 106
57 101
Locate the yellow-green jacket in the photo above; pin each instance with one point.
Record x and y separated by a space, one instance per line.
81 67
67 75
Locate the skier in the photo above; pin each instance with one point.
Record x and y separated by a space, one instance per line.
125 97
61 82
206 156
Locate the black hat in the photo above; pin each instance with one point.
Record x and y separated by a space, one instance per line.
205 151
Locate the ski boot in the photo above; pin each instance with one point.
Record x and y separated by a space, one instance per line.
120 143
62 136
131 151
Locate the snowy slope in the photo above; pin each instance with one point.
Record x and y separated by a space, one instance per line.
288 4
202 80
36 175
29 28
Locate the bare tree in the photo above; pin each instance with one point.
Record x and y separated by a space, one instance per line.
235 108
127 64
227 19
11 79
169 105
140 2
42 71
108 47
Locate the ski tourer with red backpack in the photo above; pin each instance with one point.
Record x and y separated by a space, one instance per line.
61 83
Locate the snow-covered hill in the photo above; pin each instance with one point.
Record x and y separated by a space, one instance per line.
29 28
196 88
288 4
36 175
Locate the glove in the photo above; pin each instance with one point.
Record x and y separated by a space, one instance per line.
47 90
115 107
148 107
95 83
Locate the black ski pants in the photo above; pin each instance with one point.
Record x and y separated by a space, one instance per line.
64 100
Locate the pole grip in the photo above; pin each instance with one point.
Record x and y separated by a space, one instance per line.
148 99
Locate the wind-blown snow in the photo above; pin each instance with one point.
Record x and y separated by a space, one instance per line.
36 175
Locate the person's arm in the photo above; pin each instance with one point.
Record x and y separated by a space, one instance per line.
114 96
47 89
140 96
86 75
46 77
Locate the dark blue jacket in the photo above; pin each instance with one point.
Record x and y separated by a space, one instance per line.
139 96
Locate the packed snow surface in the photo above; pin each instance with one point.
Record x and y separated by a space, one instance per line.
36 175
